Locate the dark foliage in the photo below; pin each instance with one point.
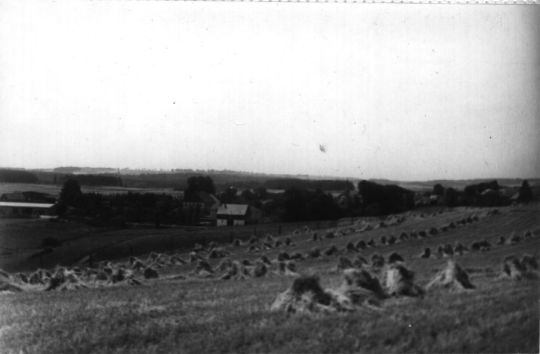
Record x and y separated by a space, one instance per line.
438 189
451 197
17 176
70 195
297 183
484 194
230 195
94 180
384 199
299 205
474 189
525 192
197 184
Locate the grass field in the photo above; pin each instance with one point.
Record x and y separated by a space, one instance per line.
204 315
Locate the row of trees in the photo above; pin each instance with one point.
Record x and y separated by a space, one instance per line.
118 209
295 204
303 204
378 199
298 183
17 176
481 194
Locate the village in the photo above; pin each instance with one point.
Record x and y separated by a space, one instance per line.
200 204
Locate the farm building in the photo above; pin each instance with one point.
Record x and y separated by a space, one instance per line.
24 209
28 196
237 214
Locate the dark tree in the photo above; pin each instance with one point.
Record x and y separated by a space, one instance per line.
322 206
229 195
472 194
248 195
475 189
525 192
17 176
71 194
438 189
198 184
261 193
302 204
450 197
384 199
96 180
290 183
296 204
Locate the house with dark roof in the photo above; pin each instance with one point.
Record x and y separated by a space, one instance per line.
237 215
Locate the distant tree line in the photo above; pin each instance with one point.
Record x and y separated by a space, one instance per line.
294 204
297 183
304 204
481 194
17 176
378 199
196 184
23 176
94 180
67 169
119 209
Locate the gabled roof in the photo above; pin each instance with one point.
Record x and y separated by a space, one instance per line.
233 209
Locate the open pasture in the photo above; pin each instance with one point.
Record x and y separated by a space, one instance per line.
189 308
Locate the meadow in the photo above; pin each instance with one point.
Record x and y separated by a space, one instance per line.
183 312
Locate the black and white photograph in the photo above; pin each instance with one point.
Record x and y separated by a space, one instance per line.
265 176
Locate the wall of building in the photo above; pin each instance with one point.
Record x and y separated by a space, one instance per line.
225 221
221 222
20 212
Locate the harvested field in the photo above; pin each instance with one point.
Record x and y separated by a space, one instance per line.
192 308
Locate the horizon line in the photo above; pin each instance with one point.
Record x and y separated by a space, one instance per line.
172 170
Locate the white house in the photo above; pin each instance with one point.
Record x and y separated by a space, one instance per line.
237 215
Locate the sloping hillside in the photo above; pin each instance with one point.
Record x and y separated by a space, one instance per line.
188 309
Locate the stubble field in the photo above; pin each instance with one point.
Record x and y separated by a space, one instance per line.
184 311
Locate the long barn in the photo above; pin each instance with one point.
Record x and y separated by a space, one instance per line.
24 209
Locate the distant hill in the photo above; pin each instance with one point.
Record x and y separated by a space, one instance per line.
177 178
85 170
459 184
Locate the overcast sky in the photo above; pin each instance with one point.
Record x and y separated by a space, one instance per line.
400 92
